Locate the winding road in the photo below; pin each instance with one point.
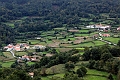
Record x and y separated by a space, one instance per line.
12 53
101 39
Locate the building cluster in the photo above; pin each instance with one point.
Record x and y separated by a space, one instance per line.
28 58
99 27
17 47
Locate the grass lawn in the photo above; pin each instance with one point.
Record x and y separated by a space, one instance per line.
111 39
8 54
21 53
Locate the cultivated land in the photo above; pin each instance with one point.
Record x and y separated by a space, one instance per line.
65 39
62 40
92 74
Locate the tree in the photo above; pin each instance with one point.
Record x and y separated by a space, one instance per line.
118 75
74 58
110 77
115 51
106 56
13 74
37 78
71 76
118 43
81 71
86 55
69 65
95 53
91 64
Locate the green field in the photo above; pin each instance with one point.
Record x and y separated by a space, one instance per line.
30 63
111 39
64 49
81 35
62 28
8 54
21 53
7 64
92 72
84 30
91 77
33 42
98 43
10 24
88 44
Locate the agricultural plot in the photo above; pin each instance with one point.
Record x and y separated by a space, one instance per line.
64 49
97 75
92 74
88 44
111 39
21 53
30 63
92 77
84 30
7 64
8 54
98 43
33 42
82 35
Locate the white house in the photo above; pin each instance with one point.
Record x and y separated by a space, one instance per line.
99 27
118 28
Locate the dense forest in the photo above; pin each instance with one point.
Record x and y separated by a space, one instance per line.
48 14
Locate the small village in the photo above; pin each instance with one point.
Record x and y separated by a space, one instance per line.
62 42
99 33
59 40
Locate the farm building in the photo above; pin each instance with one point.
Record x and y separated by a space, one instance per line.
118 28
105 35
